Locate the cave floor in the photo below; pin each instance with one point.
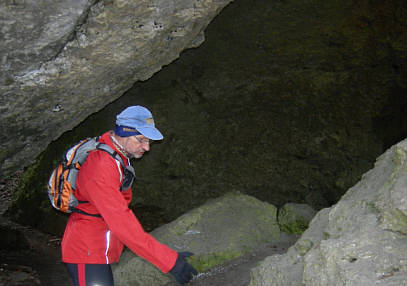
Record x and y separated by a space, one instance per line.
40 264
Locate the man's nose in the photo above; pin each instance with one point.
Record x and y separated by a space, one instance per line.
146 146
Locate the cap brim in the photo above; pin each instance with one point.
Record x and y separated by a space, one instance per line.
151 133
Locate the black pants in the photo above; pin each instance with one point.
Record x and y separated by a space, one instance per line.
90 274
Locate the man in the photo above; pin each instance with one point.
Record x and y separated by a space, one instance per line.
91 243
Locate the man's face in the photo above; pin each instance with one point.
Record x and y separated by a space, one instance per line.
135 146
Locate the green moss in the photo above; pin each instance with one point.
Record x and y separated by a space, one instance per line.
296 227
294 221
205 262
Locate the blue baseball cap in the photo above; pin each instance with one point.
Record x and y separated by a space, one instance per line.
136 120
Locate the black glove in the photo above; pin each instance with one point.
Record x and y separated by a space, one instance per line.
182 270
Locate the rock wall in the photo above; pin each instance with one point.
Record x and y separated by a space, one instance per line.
62 61
360 241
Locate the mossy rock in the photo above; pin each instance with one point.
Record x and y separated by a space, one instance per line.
219 231
294 218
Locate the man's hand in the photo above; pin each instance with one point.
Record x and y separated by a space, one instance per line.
183 271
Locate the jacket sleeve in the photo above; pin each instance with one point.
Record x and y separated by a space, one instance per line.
102 185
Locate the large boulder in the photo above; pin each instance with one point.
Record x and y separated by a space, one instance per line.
218 231
63 60
360 241
294 218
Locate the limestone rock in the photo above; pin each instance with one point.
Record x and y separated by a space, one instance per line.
63 60
359 241
294 218
220 230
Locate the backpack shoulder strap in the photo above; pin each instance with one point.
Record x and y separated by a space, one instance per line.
127 172
111 152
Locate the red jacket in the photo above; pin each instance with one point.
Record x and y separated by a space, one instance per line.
96 240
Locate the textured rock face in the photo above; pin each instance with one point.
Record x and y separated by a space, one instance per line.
360 241
62 61
216 232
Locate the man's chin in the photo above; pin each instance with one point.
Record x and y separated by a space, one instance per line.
137 156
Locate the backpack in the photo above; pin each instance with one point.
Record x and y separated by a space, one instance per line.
62 181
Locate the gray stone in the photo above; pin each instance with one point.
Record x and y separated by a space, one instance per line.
218 231
359 241
294 218
278 270
63 60
287 269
